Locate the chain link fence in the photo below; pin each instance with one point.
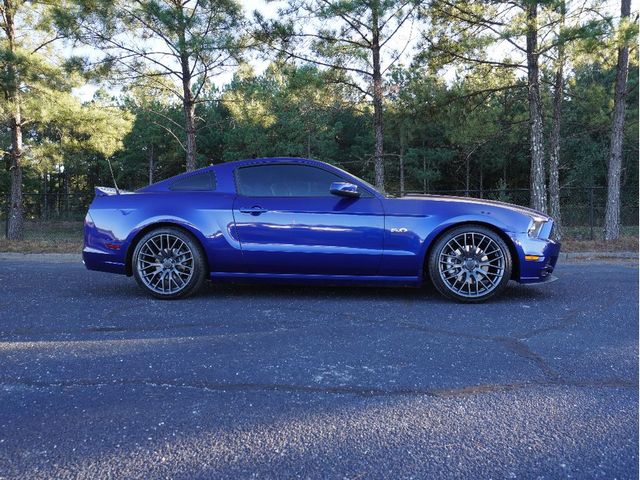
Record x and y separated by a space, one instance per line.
54 215
44 207
582 209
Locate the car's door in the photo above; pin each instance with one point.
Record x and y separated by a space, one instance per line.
288 222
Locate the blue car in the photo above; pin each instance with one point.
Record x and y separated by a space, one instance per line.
305 221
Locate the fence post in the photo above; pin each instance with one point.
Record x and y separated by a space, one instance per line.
6 218
591 213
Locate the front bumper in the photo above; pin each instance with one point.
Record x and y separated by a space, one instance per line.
546 253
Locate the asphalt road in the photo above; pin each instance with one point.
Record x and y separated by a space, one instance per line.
97 380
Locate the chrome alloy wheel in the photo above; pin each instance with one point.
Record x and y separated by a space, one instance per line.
165 264
471 264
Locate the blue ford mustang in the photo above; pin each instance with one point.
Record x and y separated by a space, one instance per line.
300 220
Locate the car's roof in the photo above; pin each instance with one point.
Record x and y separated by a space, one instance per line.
252 161
226 167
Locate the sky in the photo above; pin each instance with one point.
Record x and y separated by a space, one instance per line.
270 10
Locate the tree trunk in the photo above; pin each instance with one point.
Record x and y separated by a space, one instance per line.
537 178
190 129
467 173
15 229
378 157
504 172
554 142
612 213
424 168
402 140
65 190
15 220
44 205
151 158
188 102
481 179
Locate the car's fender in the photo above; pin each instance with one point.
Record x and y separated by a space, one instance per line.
453 222
158 222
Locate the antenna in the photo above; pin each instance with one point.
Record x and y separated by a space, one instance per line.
113 177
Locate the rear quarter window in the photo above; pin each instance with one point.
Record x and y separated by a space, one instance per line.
199 182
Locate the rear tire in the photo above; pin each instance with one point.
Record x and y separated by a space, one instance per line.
470 264
169 263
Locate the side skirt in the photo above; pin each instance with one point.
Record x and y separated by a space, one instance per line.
292 278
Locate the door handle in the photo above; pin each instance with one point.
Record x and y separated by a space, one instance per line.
255 210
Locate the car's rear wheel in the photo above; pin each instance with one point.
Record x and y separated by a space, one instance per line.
168 263
470 263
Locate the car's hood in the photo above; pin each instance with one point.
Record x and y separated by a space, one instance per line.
480 201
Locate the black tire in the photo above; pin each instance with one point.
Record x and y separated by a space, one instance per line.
168 263
470 264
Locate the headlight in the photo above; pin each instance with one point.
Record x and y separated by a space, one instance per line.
536 226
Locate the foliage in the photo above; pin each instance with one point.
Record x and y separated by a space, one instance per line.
59 132
177 47
458 124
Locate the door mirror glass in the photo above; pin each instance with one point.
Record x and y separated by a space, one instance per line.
344 189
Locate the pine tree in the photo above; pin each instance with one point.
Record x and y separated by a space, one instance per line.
612 214
351 37
187 43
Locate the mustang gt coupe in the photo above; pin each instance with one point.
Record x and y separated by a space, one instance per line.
305 221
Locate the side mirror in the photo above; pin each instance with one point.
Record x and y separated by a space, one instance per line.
344 189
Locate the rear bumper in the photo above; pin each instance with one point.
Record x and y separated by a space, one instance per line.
540 269
102 261
102 251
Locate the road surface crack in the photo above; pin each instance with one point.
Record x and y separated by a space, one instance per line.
328 390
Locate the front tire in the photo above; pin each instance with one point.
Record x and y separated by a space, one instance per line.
470 264
168 263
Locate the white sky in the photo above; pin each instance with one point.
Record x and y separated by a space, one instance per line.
269 10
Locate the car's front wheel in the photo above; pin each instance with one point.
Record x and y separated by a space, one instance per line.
470 263
168 263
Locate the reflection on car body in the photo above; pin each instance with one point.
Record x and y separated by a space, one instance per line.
301 220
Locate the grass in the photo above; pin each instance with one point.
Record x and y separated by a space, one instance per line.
578 239
45 237
623 244
66 237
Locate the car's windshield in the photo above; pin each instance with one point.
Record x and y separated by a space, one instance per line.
368 185
374 189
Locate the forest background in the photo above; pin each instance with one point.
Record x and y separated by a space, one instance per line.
532 102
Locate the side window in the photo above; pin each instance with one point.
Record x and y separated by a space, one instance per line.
193 183
285 181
